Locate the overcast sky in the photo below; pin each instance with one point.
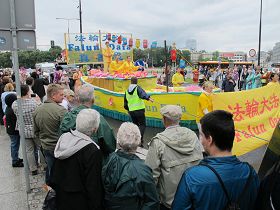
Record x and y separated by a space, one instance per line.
224 25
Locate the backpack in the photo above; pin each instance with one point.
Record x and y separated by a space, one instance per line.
231 205
269 192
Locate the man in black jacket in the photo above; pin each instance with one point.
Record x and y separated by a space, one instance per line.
38 86
11 120
133 102
228 84
76 172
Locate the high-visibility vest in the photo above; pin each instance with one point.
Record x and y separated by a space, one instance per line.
133 101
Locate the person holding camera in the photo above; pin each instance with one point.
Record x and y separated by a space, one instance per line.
29 103
228 83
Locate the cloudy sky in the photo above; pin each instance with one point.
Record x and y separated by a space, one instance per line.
224 25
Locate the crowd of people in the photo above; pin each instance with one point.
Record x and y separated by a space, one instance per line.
228 80
89 167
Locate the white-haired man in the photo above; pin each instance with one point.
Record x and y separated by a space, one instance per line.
104 136
128 175
77 169
170 153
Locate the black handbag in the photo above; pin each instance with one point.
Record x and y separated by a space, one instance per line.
50 201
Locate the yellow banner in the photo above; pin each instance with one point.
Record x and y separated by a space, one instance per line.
256 113
114 102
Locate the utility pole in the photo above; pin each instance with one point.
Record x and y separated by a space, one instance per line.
166 73
16 71
68 24
260 35
80 14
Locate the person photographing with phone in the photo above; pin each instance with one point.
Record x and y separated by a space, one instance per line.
228 83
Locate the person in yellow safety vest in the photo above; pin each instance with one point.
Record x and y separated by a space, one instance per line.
204 102
115 65
107 53
178 78
134 104
127 66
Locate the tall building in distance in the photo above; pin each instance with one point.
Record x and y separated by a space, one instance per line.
276 54
191 44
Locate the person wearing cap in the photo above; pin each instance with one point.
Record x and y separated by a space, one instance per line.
134 104
171 152
204 102
69 97
107 53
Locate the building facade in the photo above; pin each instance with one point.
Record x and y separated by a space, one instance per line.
234 56
276 54
191 44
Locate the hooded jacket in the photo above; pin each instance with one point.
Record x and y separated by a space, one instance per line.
128 183
76 172
70 143
170 153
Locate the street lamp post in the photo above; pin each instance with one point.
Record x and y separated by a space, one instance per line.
80 15
260 35
68 23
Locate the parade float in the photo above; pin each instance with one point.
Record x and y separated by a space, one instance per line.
255 112
110 88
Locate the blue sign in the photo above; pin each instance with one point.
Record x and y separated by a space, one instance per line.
2 41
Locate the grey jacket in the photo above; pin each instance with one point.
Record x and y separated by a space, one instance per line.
170 153
70 143
47 119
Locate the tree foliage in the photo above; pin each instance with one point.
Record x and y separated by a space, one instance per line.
28 59
156 57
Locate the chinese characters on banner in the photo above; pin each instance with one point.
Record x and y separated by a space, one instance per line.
256 113
86 48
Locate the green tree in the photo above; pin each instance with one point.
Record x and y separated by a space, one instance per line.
5 60
55 51
28 59
216 55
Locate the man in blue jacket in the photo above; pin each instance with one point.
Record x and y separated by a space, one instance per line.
200 188
133 102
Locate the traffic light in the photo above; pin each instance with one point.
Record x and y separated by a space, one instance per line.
52 44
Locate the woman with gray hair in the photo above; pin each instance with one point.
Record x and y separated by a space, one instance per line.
127 181
77 169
